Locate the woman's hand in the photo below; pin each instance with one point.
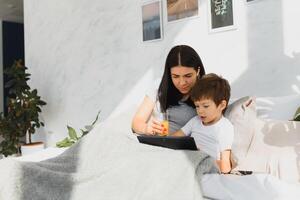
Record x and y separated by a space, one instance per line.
155 127
144 123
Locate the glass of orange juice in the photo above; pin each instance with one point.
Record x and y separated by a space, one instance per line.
165 123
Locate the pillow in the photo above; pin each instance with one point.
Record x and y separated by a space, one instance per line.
275 149
242 114
280 108
264 146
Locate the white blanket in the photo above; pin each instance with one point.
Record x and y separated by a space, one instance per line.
108 164
250 187
216 186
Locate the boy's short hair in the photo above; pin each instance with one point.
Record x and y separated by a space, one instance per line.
211 86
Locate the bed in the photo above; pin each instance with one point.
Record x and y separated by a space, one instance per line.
109 163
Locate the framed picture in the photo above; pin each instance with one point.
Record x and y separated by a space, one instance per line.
221 15
152 20
180 9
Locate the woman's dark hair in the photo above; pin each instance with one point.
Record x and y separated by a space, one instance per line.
183 55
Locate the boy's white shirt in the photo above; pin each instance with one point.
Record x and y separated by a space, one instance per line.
212 139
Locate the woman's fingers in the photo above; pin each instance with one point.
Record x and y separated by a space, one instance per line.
157 126
156 122
153 128
157 129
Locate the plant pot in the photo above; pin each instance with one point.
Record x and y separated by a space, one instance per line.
32 148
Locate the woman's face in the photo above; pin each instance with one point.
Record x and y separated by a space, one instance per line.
183 78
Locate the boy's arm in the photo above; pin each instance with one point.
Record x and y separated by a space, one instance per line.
226 140
178 133
185 130
224 163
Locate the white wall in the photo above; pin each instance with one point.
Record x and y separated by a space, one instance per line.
273 49
86 56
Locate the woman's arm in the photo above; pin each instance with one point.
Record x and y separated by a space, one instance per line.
141 124
224 163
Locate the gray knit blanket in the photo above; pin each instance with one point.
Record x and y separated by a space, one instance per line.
108 164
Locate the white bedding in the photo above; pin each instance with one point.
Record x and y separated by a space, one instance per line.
214 186
106 164
44 154
249 187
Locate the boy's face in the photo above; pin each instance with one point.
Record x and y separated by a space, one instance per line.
208 111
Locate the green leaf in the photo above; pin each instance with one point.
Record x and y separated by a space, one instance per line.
297 115
72 133
38 109
96 118
42 103
84 132
64 140
34 92
65 143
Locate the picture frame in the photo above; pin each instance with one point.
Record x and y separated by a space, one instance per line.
179 10
221 15
152 21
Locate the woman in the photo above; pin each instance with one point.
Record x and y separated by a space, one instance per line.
182 68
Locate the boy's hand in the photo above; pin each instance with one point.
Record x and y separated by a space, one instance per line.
224 163
178 133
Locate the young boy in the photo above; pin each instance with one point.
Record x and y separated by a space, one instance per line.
212 132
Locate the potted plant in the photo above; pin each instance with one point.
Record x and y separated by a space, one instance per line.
23 108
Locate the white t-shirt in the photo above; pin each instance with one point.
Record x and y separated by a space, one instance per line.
212 139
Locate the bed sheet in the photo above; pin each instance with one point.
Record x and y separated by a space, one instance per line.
249 187
215 186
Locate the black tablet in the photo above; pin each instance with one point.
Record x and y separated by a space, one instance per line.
171 142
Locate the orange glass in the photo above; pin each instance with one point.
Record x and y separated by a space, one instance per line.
165 124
